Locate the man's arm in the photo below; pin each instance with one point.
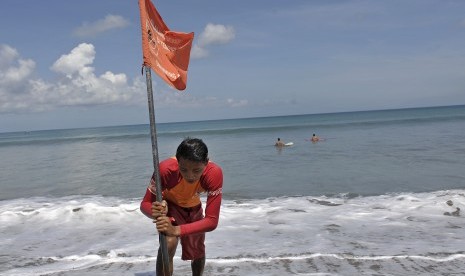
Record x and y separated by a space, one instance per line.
146 204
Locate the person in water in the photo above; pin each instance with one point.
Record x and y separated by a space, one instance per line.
180 215
315 138
279 143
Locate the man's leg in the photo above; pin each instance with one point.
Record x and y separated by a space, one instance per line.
197 266
172 243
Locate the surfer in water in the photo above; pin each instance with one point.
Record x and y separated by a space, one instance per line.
180 215
279 143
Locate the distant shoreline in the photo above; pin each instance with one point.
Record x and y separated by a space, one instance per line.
240 118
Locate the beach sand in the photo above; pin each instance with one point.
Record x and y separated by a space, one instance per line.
312 264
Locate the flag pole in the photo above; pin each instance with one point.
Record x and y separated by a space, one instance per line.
156 169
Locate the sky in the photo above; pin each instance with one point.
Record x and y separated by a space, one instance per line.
78 63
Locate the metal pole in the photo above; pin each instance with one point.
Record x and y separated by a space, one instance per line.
153 135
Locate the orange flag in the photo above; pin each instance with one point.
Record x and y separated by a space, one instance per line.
165 51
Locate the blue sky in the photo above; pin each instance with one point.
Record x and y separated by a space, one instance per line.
68 64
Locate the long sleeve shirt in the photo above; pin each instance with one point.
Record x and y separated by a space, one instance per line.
211 182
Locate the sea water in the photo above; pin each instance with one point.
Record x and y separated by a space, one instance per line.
377 196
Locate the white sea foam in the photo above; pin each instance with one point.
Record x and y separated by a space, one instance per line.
49 235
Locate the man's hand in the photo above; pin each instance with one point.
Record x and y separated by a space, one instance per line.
159 209
164 226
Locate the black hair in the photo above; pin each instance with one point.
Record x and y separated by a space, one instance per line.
192 149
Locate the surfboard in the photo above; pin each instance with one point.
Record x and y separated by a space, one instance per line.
289 144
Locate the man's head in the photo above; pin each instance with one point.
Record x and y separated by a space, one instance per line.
192 156
192 149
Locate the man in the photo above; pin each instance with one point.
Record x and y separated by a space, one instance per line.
180 215
315 138
279 143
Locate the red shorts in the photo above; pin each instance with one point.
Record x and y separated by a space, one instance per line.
193 245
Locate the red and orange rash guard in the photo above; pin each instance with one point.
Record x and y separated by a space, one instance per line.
179 192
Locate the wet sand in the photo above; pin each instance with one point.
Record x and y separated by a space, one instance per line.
311 264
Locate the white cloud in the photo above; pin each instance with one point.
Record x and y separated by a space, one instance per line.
10 72
7 55
198 52
77 83
75 61
237 103
14 74
212 34
18 74
94 28
216 34
184 100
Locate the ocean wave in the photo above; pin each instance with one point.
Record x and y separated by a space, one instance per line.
362 119
89 235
